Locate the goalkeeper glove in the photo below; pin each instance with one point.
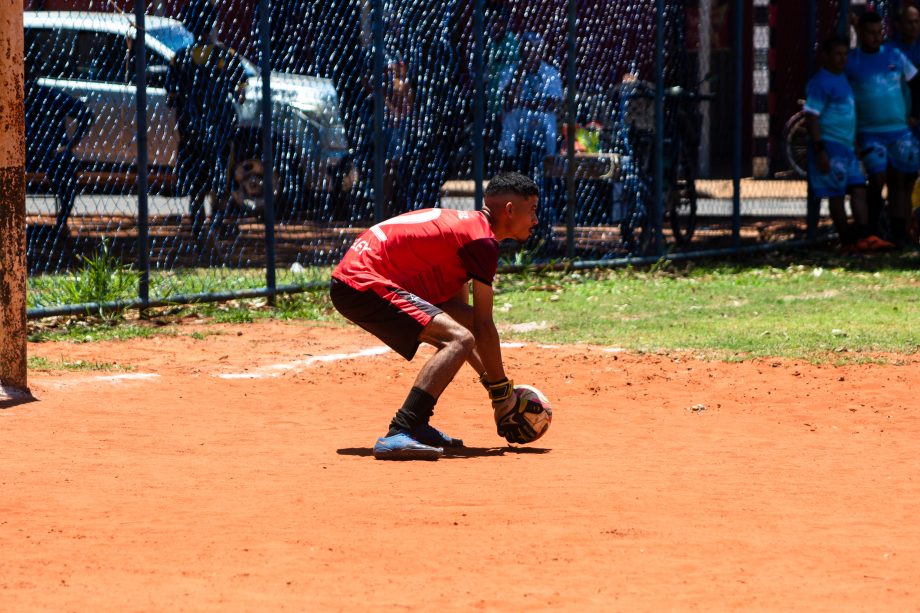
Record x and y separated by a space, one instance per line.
510 411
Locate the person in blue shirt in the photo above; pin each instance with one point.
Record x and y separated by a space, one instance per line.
833 166
879 75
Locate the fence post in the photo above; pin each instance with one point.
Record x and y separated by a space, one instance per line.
704 68
268 163
379 93
843 22
12 201
479 103
140 70
738 111
657 208
570 133
813 204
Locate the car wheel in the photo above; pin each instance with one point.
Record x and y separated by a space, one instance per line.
247 192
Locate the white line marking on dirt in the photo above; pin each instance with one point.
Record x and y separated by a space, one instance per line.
135 376
513 345
275 370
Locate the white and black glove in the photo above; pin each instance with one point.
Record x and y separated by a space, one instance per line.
510 411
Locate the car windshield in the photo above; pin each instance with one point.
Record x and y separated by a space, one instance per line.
176 37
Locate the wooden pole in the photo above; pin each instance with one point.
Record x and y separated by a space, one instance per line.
12 201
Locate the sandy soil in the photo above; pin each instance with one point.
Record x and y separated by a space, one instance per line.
233 473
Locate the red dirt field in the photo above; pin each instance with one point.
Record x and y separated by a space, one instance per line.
170 488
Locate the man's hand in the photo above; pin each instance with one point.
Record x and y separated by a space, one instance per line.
510 412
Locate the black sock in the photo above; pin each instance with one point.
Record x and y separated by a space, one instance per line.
415 411
861 231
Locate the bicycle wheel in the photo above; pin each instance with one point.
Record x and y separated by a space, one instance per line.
681 204
795 144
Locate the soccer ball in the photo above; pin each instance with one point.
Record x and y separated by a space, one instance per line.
539 421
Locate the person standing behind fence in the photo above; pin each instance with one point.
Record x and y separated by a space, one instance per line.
878 75
202 83
532 97
430 43
833 166
907 39
502 51
49 148
399 102
907 33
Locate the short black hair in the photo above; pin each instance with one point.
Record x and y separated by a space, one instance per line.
869 17
833 42
512 183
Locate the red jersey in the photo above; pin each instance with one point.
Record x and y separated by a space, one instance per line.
430 252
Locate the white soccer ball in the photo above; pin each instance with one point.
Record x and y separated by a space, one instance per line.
539 421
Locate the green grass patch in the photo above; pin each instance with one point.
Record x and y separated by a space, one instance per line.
40 363
811 306
76 330
725 312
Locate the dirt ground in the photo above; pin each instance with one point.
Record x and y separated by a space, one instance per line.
233 472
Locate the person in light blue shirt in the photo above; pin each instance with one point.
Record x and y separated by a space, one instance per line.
532 90
833 166
879 75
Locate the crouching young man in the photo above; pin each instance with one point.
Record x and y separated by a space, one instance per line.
406 281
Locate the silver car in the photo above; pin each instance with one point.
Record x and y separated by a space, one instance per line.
91 56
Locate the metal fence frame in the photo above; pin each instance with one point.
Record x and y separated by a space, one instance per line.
271 289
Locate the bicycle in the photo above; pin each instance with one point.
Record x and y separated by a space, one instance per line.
795 143
681 150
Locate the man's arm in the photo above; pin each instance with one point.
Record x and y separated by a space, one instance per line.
553 89
487 341
912 92
814 131
509 410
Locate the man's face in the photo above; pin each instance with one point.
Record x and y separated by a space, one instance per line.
522 217
909 25
836 59
870 37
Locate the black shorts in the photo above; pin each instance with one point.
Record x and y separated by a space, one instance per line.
393 315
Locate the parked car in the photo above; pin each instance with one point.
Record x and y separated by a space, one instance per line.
91 56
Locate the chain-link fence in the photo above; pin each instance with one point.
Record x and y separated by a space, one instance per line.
653 129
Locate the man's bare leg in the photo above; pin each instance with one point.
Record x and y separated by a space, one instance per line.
899 190
841 222
463 313
454 343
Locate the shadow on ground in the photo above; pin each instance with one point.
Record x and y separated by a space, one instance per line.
457 452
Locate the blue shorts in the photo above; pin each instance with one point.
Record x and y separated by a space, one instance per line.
845 172
898 149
